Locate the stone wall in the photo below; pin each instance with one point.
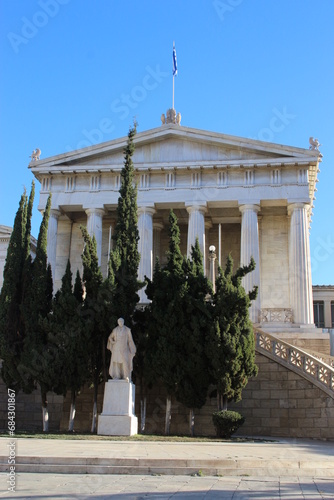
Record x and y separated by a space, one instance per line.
310 342
84 409
28 410
278 402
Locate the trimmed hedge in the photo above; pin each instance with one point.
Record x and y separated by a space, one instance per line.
227 422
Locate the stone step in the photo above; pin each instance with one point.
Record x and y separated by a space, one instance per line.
226 467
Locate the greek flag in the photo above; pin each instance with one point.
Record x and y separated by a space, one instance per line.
174 62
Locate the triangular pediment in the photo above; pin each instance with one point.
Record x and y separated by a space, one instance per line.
173 145
5 231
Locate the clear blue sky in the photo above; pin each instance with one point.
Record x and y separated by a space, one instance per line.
68 67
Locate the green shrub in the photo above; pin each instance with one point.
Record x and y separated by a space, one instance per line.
227 422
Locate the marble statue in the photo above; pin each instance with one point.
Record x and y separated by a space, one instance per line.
314 144
123 349
35 155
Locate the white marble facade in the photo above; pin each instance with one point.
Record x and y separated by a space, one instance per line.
246 197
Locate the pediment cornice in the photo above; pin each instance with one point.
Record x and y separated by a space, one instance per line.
184 147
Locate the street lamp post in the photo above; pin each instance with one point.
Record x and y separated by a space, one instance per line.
212 258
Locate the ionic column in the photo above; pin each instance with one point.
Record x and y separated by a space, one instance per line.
157 228
145 247
250 248
196 228
51 248
94 227
300 264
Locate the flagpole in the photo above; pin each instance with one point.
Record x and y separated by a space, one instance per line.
173 92
174 68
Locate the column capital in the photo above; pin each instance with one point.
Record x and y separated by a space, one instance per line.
54 212
196 207
255 207
158 225
298 204
150 210
95 211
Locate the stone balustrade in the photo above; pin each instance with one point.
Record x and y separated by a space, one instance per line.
297 360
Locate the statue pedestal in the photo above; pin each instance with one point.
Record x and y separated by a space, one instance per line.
117 417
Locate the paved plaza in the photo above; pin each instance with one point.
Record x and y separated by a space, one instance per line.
100 469
128 487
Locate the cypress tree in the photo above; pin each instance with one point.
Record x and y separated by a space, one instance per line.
124 258
192 387
231 346
68 340
91 314
36 361
16 271
166 319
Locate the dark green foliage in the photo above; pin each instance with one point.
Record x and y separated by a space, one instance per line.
193 386
91 311
124 258
231 346
16 274
97 314
178 321
227 422
68 341
36 359
167 315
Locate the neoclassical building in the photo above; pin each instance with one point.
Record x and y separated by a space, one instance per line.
246 197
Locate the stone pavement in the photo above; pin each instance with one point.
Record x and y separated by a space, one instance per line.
92 469
34 486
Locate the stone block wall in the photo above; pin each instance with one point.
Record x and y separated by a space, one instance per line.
28 410
84 409
279 402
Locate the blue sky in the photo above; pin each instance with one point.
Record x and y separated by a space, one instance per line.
76 72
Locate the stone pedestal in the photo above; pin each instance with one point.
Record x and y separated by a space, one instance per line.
117 417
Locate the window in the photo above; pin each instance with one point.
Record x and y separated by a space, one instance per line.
332 314
318 310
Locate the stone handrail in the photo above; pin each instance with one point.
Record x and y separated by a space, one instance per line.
295 359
